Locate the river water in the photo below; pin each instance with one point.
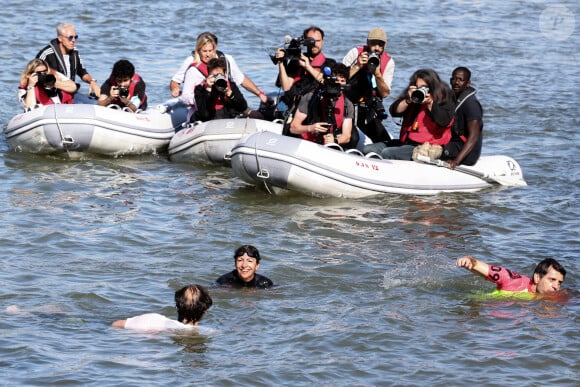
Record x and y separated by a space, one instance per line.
367 293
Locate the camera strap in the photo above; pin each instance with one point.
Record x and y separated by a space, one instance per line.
464 99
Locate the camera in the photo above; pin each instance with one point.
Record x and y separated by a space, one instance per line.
123 92
373 62
293 48
418 95
46 80
331 87
220 84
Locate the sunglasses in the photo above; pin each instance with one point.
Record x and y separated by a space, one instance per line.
72 37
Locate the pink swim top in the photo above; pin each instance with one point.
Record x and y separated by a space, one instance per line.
508 280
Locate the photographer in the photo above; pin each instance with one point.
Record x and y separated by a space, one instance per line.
427 108
325 116
206 48
124 88
300 72
371 74
218 97
39 85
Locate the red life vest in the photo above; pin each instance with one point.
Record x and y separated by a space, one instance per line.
43 98
317 62
202 67
423 129
136 79
338 117
385 58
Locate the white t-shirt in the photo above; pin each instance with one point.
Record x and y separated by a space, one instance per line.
154 322
179 76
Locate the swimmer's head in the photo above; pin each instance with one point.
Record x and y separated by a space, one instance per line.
192 301
250 250
548 276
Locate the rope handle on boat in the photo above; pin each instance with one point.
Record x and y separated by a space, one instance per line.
65 140
334 146
490 178
125 109
263 173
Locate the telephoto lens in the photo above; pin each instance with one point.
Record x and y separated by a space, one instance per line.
419 94
373 62
221 83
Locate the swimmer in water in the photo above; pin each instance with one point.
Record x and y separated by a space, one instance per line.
192 301
547 278
247 262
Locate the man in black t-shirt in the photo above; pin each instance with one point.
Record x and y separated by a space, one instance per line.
467 139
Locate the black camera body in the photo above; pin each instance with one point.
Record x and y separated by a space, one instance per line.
123 92
220 84
419 94
331 88
46 80
293 48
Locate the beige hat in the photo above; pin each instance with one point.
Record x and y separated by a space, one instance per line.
378 34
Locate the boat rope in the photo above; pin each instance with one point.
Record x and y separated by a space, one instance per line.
262 174
246 125
64 140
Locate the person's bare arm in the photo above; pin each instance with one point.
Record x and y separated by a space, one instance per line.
474 265
119 323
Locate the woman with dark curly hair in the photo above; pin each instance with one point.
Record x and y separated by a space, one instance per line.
427 107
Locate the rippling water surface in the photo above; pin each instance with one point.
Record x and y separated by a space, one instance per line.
367 289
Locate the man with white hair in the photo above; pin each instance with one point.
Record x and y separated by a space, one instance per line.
61 55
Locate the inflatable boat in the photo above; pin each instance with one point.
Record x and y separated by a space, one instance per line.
212 141
85 128
273 161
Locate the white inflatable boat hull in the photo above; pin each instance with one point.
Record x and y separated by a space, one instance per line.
93 129
212 141
271 160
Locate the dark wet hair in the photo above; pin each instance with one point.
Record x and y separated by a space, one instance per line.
217 63
247 249
465 70
313 28
543 267
192 301
123 69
